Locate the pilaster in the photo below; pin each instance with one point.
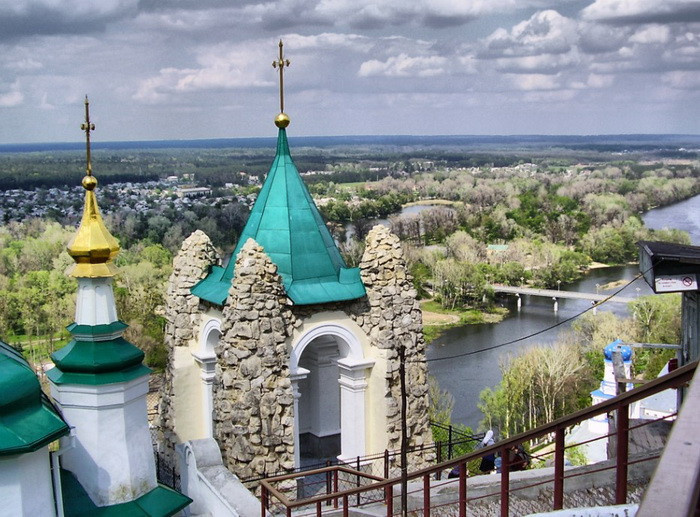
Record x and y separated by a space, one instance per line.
353 384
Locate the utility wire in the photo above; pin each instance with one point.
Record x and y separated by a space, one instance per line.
523 338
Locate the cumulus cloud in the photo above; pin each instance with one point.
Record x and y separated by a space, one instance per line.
544 63
530 82
25 64
185 20
23 18
586 54
185 56
328 41
369 14
194 5
596 38
11 98
428 13
652 48
544 44
642 11
651 34
600 81
221 67
340 14
404 66
683 80
546 32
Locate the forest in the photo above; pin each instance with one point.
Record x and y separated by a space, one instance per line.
501 217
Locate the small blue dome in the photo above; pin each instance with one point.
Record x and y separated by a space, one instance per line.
624 349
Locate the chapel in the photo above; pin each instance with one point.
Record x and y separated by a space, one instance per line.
284 354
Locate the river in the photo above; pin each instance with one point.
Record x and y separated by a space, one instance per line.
467 375
684 215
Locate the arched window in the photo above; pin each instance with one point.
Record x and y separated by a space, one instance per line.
206 359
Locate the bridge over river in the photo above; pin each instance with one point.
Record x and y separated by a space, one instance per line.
556 294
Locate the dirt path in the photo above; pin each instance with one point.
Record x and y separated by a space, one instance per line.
435 318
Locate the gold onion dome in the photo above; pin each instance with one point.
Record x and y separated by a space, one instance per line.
92 247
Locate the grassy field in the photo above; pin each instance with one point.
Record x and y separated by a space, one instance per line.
353 185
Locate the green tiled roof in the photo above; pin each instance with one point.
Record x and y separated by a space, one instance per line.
97 362
28 421
97 330
159 502
289 227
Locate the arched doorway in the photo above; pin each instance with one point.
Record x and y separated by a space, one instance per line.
319 401
328 372
206 359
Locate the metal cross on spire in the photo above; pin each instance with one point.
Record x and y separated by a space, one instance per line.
87 126
281 63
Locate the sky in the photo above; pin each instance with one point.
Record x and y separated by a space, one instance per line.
190 69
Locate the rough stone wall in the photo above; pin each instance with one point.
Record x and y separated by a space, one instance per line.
253 401
182 310
394 319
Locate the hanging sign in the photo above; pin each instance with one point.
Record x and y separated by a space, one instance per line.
675 283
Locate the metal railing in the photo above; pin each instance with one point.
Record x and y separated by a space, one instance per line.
380 464
348 487
166 472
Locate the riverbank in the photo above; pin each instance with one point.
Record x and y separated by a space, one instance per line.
437 319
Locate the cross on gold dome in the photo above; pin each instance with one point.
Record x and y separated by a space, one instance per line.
92 247
282 119
89 182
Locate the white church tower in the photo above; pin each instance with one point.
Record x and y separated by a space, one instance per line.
608 386
100 383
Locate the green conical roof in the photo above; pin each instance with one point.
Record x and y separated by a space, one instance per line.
286 223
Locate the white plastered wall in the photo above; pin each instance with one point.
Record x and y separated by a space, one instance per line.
25 484
193 373
112 458
95 303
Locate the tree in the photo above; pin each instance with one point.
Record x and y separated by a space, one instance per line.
614 244
658 320
440 402
463 247
437 224
598 330
536 387
352 251
157 227
362 228
173 238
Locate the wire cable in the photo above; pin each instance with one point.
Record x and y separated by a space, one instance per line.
542 331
